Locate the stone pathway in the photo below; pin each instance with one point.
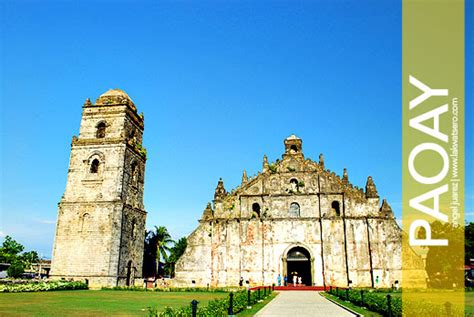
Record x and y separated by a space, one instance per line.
302 303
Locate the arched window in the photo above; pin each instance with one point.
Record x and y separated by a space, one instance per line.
134 228
336 208
85 222
293 149
256 209
294 184
134 173
94 166
100 133
294 210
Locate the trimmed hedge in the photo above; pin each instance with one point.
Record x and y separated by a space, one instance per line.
42 287
216 307
377 301
374 301
172 289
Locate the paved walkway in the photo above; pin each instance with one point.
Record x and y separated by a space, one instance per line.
302 303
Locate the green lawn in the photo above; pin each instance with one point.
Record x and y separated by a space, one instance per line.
95 303
357 309
257 306
441 296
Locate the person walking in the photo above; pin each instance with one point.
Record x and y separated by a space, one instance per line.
285 280
279 280
295 278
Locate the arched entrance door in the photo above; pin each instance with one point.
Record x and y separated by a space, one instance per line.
129 281
298 262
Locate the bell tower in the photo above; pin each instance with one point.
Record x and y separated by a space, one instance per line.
101 216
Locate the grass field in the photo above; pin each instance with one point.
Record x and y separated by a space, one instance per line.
441 296
257 306
426 298
95 303
357 309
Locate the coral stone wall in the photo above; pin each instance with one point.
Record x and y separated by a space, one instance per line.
101 217
294 202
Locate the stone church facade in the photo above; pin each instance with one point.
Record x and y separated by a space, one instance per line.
101 217
295 217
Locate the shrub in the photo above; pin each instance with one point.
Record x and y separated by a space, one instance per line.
216 307
273 169
42 287
376 301
172 289
16 269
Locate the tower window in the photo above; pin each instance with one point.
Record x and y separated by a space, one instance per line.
85 222
294 210
94 166
256 209
134 173
134 229
293 149
336 207
100 130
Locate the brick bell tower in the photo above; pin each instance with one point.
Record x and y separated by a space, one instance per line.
101 217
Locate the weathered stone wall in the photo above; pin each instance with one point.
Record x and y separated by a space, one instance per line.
346 231
101 217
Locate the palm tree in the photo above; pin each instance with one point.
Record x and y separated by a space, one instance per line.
175 253
178 249
159 239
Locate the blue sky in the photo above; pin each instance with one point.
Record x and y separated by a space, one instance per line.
220 83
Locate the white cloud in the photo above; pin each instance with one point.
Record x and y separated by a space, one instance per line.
46 221
2 234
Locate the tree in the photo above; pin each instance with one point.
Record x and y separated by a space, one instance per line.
469 243
149 255
29 257
158 242
12 252
16 269
439 260
9 250
175 253
178 249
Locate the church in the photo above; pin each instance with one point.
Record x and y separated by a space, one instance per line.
295 217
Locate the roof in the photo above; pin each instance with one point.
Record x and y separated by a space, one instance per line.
115 92
293 137
115 97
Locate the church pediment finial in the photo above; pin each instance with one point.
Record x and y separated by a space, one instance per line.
220 192
370 189
208 212
265 163
386 210
245 178
345 176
